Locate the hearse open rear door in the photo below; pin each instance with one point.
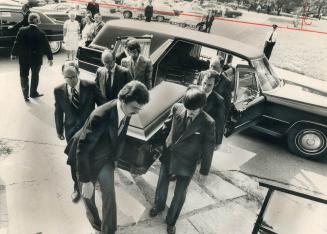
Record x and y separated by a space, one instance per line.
248 102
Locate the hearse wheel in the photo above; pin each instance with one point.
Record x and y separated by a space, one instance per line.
308 141
127 14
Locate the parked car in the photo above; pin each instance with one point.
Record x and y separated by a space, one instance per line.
260 99
161 12
10 15
229 13
191 20
59 11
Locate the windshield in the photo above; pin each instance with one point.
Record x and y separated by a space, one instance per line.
267 77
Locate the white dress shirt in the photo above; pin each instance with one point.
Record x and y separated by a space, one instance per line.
120 112
69 89
274 36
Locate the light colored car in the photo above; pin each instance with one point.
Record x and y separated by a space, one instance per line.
161 12
192 20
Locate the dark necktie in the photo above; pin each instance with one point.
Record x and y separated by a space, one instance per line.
187 122
121 125
108 84
75 98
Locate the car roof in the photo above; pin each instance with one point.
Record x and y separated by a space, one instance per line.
228 45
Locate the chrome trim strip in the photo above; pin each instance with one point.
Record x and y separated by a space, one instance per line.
269 117
298 105
306 121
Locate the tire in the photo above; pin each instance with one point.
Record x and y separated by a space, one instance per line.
127 14
308 141
160 18
55 46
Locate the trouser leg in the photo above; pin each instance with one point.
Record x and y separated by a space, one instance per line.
24 82
92 211
162 188
35 79
109 209
74 177
177 203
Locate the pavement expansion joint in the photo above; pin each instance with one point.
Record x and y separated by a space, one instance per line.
33 142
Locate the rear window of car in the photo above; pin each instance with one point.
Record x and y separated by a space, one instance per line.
10 18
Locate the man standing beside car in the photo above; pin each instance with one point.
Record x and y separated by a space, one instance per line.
148 11
111 78
209 21
74 101
270 41
215 105
93 7
139 66
189 135
97 148
26 12
30 45
223 85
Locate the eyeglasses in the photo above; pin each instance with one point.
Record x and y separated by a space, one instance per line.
135 51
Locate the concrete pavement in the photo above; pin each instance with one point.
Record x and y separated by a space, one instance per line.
35 184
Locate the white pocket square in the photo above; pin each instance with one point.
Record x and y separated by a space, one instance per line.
197 133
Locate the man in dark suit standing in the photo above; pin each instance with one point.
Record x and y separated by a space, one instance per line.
209 21
24 22
223 85
139 66
93 7
148 11
74 101
30 45
97 148
111 78
215 106
191 138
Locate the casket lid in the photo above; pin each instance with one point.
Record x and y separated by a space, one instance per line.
148 121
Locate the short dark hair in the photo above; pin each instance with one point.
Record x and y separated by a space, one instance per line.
70 64
133 44
194 98
134 91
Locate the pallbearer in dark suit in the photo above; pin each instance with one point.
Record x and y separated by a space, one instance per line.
215 106
191 138
30 45
111 78
98 146
74 101
139 66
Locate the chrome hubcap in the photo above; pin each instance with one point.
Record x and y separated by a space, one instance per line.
311 141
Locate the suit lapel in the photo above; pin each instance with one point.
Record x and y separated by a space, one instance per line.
82 94
113 124
193 127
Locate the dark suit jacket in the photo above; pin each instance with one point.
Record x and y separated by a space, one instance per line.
65 115
223 88
216 109
121 77
185 147
30 45
97 142
143 70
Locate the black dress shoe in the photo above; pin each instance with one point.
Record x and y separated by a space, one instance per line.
154 212
37 95
76 196
171 229
26 99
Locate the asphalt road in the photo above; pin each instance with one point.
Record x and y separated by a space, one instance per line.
250 152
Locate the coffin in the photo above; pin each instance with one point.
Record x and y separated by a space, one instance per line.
140 152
